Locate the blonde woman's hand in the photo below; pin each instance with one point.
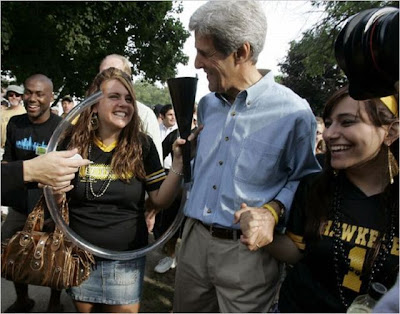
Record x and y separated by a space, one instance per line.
179 143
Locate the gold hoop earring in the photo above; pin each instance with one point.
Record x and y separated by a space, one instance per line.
94 122
392 165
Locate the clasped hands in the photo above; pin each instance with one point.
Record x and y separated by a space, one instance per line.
257 226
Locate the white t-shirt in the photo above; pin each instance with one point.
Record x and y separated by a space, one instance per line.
150 126
164 131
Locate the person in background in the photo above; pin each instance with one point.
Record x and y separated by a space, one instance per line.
165 218
320 147
109 193
167 126
150 125
54 110
156 110
342 233
67 104
194 119
14 96
27 136
246 170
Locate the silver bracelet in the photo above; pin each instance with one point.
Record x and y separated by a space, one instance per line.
176 172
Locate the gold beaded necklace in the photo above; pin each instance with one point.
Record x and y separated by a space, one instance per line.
89 180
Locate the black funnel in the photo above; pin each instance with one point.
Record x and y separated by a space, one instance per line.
183 94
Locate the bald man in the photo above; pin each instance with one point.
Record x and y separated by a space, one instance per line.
27 137
149 121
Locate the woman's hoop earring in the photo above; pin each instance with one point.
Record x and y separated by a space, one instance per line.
392 165
94 122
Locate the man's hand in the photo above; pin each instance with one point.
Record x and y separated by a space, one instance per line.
56 169
257 225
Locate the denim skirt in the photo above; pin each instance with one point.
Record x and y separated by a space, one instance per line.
112 282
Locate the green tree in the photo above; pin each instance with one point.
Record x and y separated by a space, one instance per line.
310 67
297 69
151 95
67 40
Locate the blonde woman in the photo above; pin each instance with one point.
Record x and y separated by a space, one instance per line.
107 202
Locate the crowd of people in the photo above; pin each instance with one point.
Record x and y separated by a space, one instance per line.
285 211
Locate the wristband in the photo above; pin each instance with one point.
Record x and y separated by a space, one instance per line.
176 172
272 211
281 208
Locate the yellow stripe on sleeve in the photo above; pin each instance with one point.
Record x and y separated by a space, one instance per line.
298 240
155 177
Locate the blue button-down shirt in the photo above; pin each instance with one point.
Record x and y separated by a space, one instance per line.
252 151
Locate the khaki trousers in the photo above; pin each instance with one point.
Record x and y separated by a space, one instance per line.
219 275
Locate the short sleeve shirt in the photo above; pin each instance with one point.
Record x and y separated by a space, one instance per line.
314 276
115 220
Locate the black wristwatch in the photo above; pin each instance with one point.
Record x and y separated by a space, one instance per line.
282 209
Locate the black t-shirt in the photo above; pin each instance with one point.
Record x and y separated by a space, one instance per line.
311 285
12 177
167 143
115 220
24 139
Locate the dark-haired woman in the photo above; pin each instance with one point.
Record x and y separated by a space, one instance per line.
343 229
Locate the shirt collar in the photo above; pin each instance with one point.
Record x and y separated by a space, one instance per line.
165 128
224 101
104 148
251 92
254 91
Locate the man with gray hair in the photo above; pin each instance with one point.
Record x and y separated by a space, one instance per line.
256 144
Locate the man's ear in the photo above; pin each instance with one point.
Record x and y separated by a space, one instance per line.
243 53
392 133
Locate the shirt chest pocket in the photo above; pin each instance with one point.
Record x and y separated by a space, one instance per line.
257 162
